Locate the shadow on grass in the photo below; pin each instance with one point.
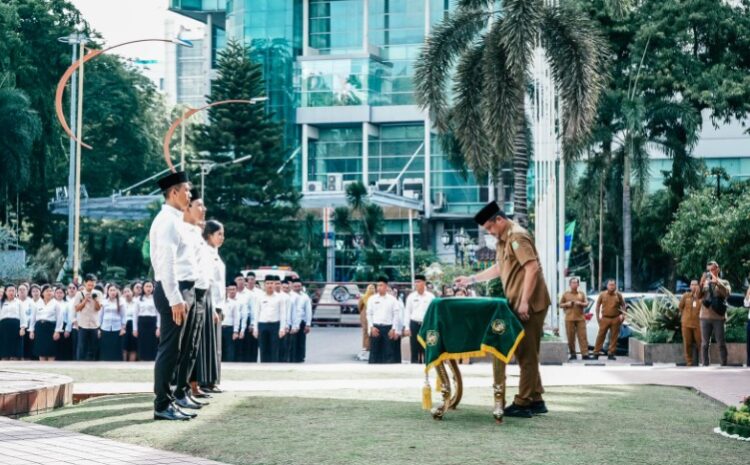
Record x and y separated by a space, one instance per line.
65 419
116 400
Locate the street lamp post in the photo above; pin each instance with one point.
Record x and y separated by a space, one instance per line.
460 242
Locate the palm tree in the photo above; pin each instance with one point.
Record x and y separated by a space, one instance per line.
492 50
20 127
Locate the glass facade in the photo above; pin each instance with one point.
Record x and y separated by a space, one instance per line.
191 79
337 150
336 26
340 82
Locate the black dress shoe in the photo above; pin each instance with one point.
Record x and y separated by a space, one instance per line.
201 395
213 389
192 399
518 411
170 413
611 357
572 357
538 407
185 402
587 357
184 412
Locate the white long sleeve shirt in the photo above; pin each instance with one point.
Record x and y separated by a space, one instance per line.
129 310
145 307
71 319
383 310
12 309
28 306
289 303
302 309
231 313
172 257
218 277
271 309
203 256
416 306
110 317
51 311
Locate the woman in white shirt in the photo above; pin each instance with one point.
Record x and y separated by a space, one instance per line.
111 326
45 325
129 342
207 365
146 324
27 307
12 325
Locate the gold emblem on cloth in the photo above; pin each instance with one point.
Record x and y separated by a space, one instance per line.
498 326
432 338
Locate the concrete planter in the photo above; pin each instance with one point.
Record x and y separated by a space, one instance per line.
649 354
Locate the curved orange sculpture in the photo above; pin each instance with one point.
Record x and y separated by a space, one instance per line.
190 112
73 67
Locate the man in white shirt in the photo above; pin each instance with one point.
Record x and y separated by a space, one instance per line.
414 311
384 324
301 321
230 325
87 304
283 290
174 265
245 305
270 322
250 343
194 217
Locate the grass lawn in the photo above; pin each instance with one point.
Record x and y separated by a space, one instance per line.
586 425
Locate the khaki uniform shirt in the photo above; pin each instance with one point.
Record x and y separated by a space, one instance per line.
88 317
574 312
612 304
690 308
514 250
722 289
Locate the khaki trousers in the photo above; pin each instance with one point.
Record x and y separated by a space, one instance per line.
613 326
527 354
365 336
691 340
577 329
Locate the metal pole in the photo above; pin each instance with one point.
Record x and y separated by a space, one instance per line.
79 136
411 246
182 143
203 180
72 164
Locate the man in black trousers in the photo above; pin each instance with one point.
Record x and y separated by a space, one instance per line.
174 264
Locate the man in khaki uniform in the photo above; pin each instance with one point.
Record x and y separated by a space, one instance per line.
573 301
518 268
690 308
712 322
610 313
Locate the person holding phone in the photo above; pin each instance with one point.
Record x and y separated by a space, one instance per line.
88 304
713 312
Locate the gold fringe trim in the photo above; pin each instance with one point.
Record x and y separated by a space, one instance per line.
485 349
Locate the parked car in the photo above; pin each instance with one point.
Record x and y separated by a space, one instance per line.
281 271
336 304
592 326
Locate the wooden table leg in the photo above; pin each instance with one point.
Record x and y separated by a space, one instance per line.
458 385
439 411
498 373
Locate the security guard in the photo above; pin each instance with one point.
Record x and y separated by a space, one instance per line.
517 266
414 311
270 320
690 309
610 313
384 325
573 301
174 265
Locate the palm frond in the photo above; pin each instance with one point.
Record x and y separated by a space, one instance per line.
475 4
618 9
342 220
447 41
356 196
466 115
518 31
502 96
577 54
373 222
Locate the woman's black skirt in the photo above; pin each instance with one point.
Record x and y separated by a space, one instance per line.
28 347
44 345
110 346
129 342
147 341
11 343
207 362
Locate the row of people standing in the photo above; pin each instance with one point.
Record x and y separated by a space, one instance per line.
58 322
271 324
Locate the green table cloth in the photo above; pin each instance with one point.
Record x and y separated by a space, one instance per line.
460 327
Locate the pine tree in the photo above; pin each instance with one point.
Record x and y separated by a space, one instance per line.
255 199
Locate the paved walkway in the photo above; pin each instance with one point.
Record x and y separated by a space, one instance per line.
24 443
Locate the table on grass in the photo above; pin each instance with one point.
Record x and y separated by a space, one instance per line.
464 327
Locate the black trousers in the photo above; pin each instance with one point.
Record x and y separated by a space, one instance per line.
88 344
285 351
383 349
268 342
170 340
249 346
417 351
191 341
299 344
228 345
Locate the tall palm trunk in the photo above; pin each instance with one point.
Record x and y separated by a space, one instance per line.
627 225
520 173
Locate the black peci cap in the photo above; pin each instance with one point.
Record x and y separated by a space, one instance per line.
488 212
172 179
250 275
382 279
272 277
420 277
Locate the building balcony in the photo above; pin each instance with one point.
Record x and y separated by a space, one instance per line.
199 10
